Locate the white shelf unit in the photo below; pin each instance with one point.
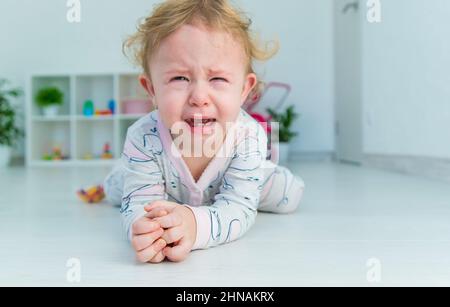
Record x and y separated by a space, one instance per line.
75 134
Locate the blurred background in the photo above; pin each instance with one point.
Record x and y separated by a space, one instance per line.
367 92
368 79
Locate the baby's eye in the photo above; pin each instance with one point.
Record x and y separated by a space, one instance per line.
219 79
179 78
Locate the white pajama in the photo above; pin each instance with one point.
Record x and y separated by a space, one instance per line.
236 183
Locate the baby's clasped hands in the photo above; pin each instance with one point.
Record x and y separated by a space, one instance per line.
167 230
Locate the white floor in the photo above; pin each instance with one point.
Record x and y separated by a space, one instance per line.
356 226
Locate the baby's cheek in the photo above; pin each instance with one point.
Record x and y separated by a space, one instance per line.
230 111
170 110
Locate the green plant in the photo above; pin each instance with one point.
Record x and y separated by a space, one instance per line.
48 96
8 129
285 120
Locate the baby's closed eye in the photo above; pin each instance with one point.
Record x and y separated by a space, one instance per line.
180 78
219 79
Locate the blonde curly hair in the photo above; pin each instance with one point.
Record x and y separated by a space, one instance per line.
170 15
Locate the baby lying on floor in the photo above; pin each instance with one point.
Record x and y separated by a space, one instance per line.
194 172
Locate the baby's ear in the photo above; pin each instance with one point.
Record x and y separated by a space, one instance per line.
147 84
249 84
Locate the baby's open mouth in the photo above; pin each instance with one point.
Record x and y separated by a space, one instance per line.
200 122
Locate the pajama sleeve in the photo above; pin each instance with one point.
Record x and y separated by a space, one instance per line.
235 206
143 180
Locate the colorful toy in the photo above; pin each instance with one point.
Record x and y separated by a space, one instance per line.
263 121
91 195
137 106
112 106
88 108
106 152
103 112
255 100
88 156
55 155
264 118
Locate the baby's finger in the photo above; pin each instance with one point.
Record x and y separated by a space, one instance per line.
178 252
172 235
159 203
151 251
157 212
158 258
170 220
141 242
144 225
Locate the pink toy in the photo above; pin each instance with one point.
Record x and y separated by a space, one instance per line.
251 103
264 119
136 106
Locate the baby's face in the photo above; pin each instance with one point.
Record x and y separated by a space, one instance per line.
199 73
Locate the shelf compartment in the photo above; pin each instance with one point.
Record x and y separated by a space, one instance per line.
91 137
97 88
47 135
130 90
60 82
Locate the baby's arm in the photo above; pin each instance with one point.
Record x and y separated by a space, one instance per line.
143 184
235 206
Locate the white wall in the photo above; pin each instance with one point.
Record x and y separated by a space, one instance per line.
304 30
406 79
35 37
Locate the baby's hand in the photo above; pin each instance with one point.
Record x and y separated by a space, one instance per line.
146 240
180 227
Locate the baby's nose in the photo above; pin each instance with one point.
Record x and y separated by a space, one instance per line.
198 102
199 96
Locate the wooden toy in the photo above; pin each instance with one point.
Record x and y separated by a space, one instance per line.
103 112
112 106
88 108
55 155
88 156
91 195
106 152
